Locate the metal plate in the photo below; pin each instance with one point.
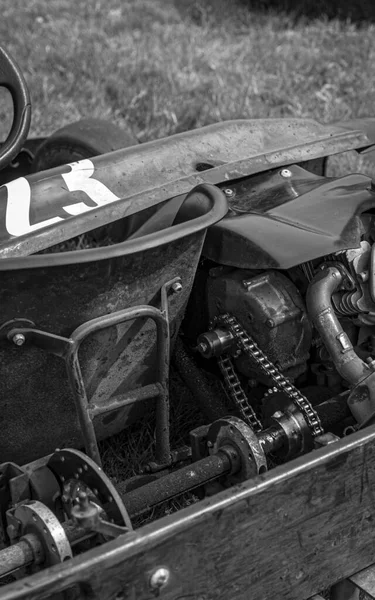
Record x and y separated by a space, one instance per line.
71 464
36 518
41 209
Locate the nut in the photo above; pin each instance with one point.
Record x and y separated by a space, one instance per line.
19 339
202 347
229 193
286 173
159 578
176 287
278 415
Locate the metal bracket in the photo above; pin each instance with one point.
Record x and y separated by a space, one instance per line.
23 331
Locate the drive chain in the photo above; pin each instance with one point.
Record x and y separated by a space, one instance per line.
237 393
247 345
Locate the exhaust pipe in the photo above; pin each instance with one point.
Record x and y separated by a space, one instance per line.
354 370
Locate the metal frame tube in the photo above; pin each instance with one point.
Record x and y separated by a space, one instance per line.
78 336
68 349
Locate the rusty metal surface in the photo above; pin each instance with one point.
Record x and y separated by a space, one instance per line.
317 509
60 295
176 483
37 411
133 179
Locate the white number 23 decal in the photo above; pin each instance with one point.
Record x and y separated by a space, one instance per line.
17 219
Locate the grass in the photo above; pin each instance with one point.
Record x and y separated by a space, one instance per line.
160 67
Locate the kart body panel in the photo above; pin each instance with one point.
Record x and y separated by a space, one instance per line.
46 208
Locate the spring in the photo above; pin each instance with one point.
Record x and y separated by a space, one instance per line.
344 304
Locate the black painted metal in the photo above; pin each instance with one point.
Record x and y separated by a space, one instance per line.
278 222
60 292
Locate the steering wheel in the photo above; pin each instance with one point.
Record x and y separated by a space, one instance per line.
12 79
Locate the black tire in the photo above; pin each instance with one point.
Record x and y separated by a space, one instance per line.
84 139
79 140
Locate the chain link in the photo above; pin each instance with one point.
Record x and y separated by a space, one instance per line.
237 393
281 383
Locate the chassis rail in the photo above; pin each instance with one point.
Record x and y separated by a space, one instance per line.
286 534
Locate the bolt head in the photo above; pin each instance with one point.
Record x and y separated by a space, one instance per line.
229 193
177 287
159 578
278 414
202 347
19 339
286 173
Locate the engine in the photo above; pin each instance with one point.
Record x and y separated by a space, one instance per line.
304 332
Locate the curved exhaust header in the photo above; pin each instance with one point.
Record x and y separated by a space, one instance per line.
354 370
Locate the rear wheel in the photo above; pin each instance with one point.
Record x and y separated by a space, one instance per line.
79 140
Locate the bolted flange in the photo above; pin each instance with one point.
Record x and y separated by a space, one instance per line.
36 519
232 431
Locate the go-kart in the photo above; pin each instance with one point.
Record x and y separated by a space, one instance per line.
222 265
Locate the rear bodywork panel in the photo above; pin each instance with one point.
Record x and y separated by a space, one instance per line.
277 222
39 210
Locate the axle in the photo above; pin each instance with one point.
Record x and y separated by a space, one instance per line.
31 549
227 460
183 480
